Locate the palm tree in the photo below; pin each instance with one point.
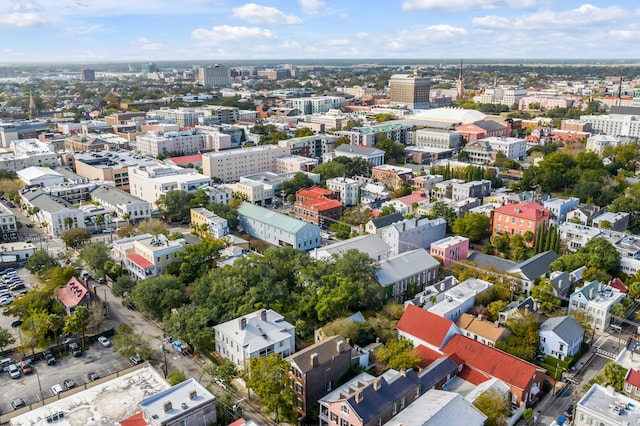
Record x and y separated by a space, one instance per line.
99 220
126 217
68 222
77 322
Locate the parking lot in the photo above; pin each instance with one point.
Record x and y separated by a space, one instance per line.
30 281
96 359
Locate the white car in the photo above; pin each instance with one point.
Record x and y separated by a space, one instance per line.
104 341
14 371
56 389
7 300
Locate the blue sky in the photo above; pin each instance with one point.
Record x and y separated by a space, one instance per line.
137 30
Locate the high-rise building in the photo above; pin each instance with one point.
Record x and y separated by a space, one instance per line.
214 76
411 90
88 74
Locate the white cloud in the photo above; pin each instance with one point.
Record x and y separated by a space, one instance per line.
226 33
338 42
290 45
84 29
55 9
311 7
445 31
258 14
21 20
147 44
466 4
362 35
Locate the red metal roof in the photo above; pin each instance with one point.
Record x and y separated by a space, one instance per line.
140 260
491 361
530 210
633 378
428 355
135 420
425 325
619 285
415 197
313 192
186 159
72 294
473 376
321 203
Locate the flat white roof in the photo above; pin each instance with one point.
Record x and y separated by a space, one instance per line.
105 403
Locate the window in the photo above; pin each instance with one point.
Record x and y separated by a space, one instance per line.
395 408
334 417
628 387
344 409
344 422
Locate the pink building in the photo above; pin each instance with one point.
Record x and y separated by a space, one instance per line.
450 249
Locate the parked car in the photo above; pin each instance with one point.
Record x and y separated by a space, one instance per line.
69 384
57 388
18 403
75 349
17 286
93 377
26 368
48 356
104 341
5 363
7 300
136 359
14 371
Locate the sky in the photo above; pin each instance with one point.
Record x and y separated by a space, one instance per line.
140 30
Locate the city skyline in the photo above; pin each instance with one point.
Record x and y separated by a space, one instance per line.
79 31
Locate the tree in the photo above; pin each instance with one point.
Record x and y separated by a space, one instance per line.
300 133
612 374
524 339
175 205
6 338
269 380
634 289
290 187
495 308
99 220
127 343
543 293
40 261
96 256
152 226
474 226
393 151
176 376
227 212
68 222
387 210
158 295
441 209
495 406
200 198
398 354
193 325
75 237
77 322
598 254
122 285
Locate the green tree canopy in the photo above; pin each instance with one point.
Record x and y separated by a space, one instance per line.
543 293
96 256
40 261
269 380
474 226
75 237
612 374
524 339
398 354
495 406
158 295
393 151
175 205
441 209
597 253
290 187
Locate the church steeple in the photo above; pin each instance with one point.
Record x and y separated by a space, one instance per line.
460 84
33 111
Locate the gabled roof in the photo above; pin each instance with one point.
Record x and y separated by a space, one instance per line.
491 361
381 222
314 192
536 266
633 378
530 210
618 285
135 420
275 219
498 263
403 265
481 327
473 376
425 325
257 333
428 355
358 150
565 328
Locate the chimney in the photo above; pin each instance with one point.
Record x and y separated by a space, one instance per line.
314 359
263 314
243 323
340 346
167 406
404 225
377 384
415 222
403 372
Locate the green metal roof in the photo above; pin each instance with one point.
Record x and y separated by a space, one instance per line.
270 217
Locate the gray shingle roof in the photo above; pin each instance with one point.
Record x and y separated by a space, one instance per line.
536 266
381 222
113 195
565 327
489 125
482 259
357 149
626 110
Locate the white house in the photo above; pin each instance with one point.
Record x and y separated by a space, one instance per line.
411 234
258 334
561 337
460 298
40 176
595 300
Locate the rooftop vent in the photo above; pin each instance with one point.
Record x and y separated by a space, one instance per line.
184 406
167 406
193 394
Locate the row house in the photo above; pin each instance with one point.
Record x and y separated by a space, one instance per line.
514 219
318 205
393 177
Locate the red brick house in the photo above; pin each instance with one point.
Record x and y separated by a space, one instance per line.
523 378
482 129
318 205
519 218
73 295
632 384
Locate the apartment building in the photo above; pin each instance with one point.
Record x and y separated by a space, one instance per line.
230 165
182 143
315 146
123 204
11 130
513 148
545 102
482 129
348 189
108 165
187 403
214 76
318 205
605 407
410 234
258 334
8 225
217 226
149 183
26 153
54 214
77 143
595 300
316 104
294 163
367 135
621 121
560 207
450 249
474 189
393 177
437 138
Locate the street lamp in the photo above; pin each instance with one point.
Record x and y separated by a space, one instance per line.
164 354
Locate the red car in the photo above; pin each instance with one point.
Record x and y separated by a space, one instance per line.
26 367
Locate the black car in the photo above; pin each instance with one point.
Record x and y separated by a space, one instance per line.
75 349
69 384
569 410
48 356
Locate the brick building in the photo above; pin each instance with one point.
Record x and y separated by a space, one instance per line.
317 205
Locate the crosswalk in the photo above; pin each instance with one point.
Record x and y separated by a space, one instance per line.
605 354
